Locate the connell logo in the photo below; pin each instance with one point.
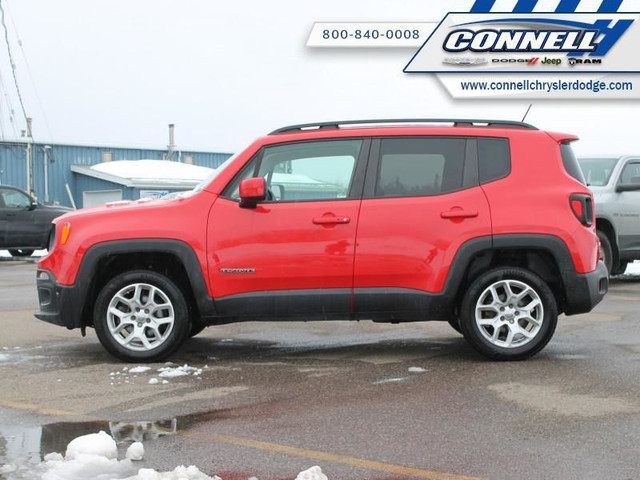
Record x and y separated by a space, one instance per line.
504 40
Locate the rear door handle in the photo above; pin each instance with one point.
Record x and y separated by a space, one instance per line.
459 214
330 220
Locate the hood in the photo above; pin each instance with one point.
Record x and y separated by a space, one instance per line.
55 208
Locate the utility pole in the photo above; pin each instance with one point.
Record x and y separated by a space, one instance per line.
30 182
171 148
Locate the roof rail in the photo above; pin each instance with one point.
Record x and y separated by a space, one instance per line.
456 123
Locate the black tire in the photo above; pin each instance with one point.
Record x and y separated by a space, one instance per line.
606 252
545 311
21 252
620 267
455 324
173 306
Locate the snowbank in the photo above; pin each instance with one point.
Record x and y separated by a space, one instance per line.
152 169
99 444
95 457
314 473
172 372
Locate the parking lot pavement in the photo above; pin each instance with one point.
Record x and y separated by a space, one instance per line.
364 401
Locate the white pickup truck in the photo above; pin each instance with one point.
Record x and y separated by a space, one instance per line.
615 183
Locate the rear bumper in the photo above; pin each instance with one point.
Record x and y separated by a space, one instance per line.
585 290
59 304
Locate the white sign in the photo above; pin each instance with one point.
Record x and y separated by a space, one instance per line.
153 194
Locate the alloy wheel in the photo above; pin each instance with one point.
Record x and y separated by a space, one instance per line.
509 313
140 317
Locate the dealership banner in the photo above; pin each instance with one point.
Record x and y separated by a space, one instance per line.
533 43
566 52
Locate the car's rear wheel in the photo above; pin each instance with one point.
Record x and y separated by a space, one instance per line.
21 252
141 316
508 314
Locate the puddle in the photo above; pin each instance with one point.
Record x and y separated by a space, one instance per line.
23 448
552 399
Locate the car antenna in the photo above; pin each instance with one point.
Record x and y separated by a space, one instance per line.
527 112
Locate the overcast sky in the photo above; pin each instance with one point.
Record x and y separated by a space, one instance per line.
116 72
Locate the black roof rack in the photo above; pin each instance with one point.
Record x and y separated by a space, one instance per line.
456 123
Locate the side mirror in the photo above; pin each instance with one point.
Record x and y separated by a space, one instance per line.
33 204
628 187
252 191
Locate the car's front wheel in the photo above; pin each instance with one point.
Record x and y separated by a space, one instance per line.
508 314
141 316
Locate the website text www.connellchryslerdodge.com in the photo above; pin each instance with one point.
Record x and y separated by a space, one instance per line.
594 86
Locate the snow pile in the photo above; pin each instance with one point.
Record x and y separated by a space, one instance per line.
85 467
417 370
95 457
633 268
135 451
99 444
8 468
37 253
140 369
314 473
171 372
153 169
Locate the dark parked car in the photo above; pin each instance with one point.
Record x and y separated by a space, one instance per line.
25 224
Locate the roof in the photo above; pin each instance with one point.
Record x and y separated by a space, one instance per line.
403 121
23 141
146 173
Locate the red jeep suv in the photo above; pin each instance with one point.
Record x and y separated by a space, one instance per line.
485 224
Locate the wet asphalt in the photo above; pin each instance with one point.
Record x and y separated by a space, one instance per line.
362 400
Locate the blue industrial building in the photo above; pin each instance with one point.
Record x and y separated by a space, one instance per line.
50 177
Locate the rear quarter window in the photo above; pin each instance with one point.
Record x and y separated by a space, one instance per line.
494 159
570 163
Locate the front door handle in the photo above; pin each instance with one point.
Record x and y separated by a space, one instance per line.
330 220
459 214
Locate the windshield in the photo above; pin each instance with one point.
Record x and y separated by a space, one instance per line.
597 171
207 180
203 183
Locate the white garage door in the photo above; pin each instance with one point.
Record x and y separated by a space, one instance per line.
100 197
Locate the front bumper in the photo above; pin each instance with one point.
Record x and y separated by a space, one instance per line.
585 290
59 304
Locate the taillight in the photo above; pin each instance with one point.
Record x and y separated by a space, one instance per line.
582 208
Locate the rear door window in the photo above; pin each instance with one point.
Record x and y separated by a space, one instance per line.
420 166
